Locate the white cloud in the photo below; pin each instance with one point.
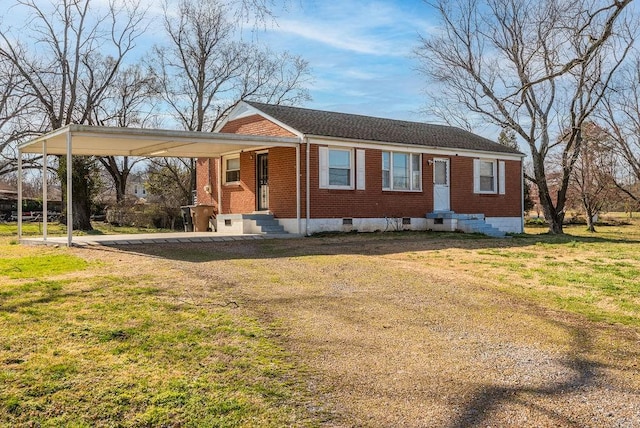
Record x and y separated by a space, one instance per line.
341 38
382 28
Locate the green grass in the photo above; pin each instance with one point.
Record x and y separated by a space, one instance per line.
594 275
83 347
40 266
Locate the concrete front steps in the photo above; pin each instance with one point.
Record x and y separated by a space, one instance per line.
256 223
468 223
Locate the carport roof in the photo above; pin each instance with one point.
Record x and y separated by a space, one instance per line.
108 141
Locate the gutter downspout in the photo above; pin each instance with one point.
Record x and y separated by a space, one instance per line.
308 187
218 163
298 192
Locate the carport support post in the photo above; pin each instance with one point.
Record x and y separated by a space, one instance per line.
45 213
298 188
69 192
19 195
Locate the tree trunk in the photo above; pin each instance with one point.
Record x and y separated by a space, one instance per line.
589 212
555 224
121 189
82 186
553 217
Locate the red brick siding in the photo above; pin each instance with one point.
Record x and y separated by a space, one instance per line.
327 203
241 198
463 200
282 182
255 125
372 202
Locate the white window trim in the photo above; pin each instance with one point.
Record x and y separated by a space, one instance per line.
501 178
324 168
224 168
361 170
391 189
476 177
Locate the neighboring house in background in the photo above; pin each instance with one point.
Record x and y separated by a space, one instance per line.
361 173
136 191
136 186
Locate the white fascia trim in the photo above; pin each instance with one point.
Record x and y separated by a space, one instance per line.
38 140
408 148
244 110
235 113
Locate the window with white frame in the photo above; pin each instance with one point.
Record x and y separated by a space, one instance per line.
489 176
401 171
339 167
232 169
336 168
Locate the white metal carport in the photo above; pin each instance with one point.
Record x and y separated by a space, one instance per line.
85 140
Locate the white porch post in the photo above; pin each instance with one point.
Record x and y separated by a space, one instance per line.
219 183
308 187
69 192
45 207
19 195
298 193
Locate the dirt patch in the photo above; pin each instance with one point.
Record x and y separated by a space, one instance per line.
390 338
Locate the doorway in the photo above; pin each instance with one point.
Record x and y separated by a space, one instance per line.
262 176
441 185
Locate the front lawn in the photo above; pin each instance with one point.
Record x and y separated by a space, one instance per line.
89 343
394 329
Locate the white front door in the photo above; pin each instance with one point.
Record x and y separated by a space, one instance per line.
441 187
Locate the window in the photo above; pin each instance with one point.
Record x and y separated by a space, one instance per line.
336 168
489 176
232 169
401 171
339 167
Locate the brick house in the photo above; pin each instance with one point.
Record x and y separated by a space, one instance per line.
350 172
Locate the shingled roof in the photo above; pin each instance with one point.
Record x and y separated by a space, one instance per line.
357 127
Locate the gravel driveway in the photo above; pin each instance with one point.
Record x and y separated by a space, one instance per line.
390 338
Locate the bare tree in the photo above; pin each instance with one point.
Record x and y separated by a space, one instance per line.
621 111
68 54
205 71
168 184
539 68
127 102
592 178
13 111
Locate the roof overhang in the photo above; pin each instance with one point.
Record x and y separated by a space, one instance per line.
107 141
414 148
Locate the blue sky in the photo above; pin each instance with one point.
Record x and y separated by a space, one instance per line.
360 53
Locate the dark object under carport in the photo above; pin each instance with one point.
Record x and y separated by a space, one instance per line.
187 220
